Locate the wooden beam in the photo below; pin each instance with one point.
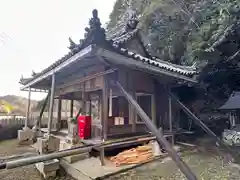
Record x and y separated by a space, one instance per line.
77 57
86 78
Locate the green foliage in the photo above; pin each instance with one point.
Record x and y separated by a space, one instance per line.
180 31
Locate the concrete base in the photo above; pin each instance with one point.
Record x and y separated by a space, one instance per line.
26 136
75 158
47 144
48 169
71 159
89 169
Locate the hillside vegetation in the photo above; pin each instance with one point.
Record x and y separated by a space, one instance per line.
179 31
18 104
204 33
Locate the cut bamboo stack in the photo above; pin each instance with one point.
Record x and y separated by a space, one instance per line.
137 155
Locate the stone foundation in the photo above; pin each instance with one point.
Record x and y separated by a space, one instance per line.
26 136
48 169
47 144
73 158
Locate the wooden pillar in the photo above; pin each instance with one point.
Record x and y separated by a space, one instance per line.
71 108
28 108
83 101
153 109
59 115
110 103
132 115
50 116
104 117
170 117
105 108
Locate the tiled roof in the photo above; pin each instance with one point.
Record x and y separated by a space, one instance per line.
125 37
96 35
183 70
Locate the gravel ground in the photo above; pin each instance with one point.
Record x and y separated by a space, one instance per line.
206 165
10 147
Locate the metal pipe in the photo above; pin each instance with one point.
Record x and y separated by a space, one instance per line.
201 124
42 158
64 153
51 104
159 136
28 108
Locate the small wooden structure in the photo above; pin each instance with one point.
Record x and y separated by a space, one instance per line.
86 72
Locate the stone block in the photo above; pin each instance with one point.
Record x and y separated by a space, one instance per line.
72 130
25 135
53 144
42 145
48 144
48 169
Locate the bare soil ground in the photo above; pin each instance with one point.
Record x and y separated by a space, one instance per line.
207 166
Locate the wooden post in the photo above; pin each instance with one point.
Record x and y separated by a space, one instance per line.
110 103
59 115
28 108
50 116
105 107
104 117
153 108
84 100
170 118
71 108
132 116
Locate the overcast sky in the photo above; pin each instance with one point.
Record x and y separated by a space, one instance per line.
34 34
